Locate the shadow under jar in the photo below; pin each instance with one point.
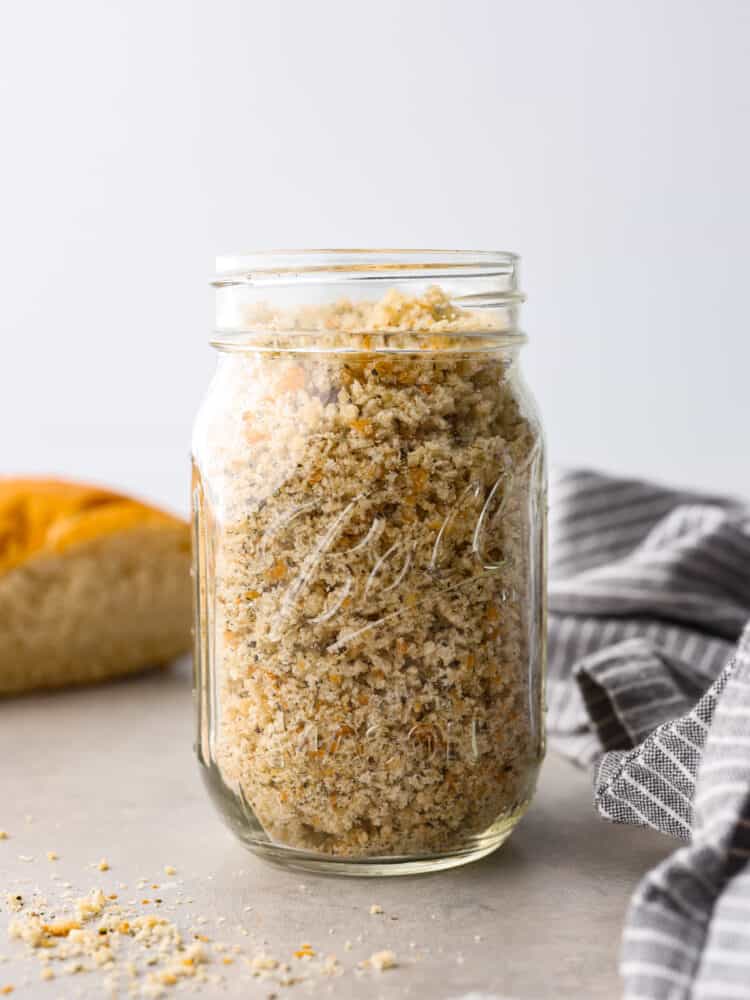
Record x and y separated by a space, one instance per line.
369 504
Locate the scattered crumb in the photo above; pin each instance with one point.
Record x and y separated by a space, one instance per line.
170 870
330 965
25 857
90 906
382 960
53 856
98 933
263 963
477 938
4 834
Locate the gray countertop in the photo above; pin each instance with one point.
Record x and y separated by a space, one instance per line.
109 772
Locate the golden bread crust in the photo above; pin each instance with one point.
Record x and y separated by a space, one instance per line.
40 516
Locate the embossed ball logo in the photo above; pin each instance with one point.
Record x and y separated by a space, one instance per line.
363 577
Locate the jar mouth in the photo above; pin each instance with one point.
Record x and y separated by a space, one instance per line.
380 299
351 266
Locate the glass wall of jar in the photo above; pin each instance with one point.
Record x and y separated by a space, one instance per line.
369 504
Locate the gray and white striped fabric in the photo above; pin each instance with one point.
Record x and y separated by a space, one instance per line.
649 681
687 933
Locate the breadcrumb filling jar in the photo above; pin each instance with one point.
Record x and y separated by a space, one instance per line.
369 517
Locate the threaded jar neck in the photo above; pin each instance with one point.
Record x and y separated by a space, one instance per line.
303 293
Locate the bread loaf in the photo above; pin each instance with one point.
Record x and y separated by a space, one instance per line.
92 584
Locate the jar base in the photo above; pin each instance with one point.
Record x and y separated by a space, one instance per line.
378 867
240 819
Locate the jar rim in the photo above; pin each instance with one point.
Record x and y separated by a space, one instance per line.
344 266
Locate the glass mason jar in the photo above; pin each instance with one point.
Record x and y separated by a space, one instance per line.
369 504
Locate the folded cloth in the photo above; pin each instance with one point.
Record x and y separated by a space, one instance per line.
650 682
687 933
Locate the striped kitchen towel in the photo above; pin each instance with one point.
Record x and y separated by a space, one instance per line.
649 681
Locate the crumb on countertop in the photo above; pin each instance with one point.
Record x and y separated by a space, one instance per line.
382 960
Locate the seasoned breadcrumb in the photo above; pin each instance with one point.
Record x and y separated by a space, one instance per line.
382 960
90 906
264 963
149 953
377 558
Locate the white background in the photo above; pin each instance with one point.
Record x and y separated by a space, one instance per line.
607 142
